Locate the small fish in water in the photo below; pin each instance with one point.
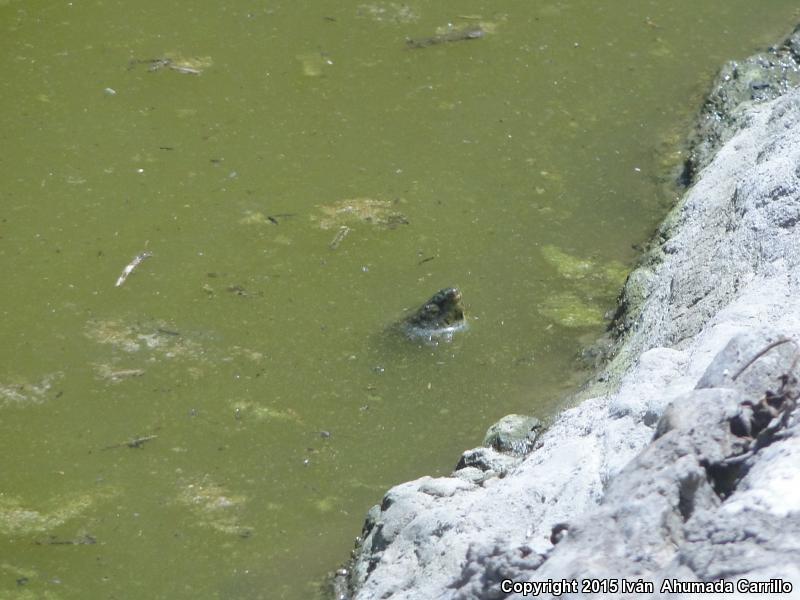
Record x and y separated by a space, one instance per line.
137 442
456 35
184 66
153 64
184 69
123 374
132 265
343 232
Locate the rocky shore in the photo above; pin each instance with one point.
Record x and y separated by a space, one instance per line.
684 465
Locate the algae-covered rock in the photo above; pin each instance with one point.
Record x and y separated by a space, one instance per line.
513 434
738 86
634 293
488 461
504 445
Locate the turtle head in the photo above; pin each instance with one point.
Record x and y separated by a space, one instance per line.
443 310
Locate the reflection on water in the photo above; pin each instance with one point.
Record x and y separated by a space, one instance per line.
299 178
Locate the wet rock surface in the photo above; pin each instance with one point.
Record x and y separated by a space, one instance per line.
686 465
738 86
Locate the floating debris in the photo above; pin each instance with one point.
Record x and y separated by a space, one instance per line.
213 506
247 353
132 265
28 392
260 412
158 342
18 519
135 337
380 213
387 12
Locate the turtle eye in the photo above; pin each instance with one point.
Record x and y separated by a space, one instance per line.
431 309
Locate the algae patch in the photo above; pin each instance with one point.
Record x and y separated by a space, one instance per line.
570 311
158 338
259 412
27 392
567 265
592 287
18 519
601 275
382 214
213 506
387 12
313 64
154 343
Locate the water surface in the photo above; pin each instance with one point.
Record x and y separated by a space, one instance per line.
218 425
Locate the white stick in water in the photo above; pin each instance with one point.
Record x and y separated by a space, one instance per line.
132 265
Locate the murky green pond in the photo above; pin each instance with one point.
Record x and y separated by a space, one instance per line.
217 425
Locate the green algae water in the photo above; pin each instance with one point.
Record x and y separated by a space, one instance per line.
296 178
